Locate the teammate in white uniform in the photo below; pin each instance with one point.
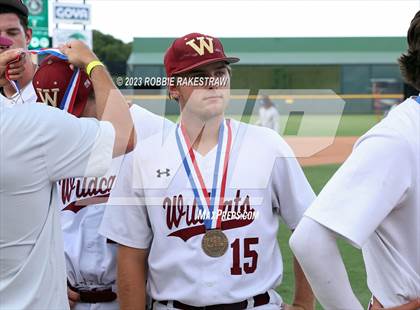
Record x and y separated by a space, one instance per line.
268 114
228 262
14 28
40 146
90 258
373 201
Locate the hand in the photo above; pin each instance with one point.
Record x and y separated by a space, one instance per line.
12 61
412 305
73 297
78 53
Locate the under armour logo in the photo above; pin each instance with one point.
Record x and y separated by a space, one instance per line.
160 173
203 45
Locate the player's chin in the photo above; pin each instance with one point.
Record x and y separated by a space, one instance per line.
212 110
214 104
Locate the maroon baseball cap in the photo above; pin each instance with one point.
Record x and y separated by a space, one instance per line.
194 50
17 5
51 82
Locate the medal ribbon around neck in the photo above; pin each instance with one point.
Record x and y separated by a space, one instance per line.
215 201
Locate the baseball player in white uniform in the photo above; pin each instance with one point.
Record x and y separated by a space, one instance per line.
373 201
268 114
40 146
15 33
90 257
197 210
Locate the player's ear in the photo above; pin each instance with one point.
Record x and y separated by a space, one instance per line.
28 35
173 92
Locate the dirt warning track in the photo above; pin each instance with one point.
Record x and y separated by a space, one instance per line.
336 149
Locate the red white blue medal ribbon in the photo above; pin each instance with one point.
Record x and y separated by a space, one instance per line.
45 51
208 204
49 51
70 95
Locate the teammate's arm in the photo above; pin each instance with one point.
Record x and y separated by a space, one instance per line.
131 277
73 298
304 298
292 195
125 221
110 103
323 265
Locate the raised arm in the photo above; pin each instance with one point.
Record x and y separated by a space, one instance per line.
110 103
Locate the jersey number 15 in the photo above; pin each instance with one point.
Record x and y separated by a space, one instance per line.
248 267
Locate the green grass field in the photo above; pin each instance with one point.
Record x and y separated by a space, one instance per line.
318 176
317 125
324 125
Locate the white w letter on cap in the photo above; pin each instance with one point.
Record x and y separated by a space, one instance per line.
203 45
46 97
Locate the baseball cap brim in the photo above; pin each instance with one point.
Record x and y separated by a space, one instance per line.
229 60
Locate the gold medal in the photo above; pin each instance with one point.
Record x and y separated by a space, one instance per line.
214 243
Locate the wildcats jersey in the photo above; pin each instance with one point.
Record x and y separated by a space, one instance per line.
153 207
90 259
